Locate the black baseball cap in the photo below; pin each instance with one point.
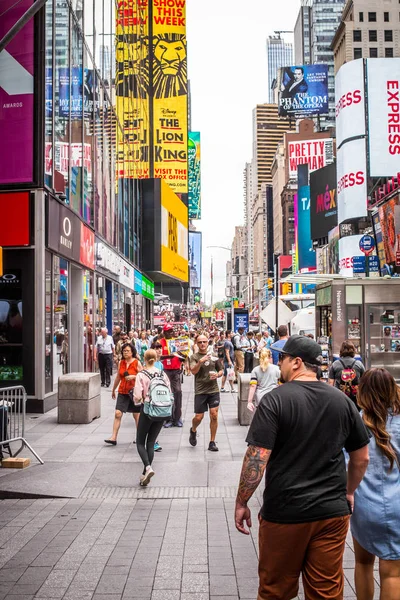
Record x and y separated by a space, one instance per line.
299 346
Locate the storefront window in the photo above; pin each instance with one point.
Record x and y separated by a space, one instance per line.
11 327
88 320
49 154
116 313
48 327
384 338
122 308
62 100
101 302
60 317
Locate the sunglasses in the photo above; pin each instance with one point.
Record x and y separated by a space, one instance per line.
283 355
204 342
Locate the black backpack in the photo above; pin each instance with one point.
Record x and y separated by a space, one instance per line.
348 380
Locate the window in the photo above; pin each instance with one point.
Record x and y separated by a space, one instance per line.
373 35
357 35
386 17
372 17
388 35
373 52
388 52
357 53
361 17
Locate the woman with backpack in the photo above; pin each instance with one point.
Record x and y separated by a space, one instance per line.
346 372
151 383
263 379
375 524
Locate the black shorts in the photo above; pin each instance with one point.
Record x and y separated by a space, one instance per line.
202 402
126 405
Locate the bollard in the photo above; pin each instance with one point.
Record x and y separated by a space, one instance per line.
79 398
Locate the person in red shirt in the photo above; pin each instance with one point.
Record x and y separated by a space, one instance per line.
172 367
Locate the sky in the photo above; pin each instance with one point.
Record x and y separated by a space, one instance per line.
227 63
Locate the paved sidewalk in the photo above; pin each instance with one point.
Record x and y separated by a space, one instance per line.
105 538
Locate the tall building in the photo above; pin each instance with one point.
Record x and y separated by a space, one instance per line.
279 54
315 28
369 29
238 262
249 248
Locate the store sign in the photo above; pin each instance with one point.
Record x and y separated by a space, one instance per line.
351 181
315 153
323 195
350 101
87 247
384 116
386 189
64 231
108 260
174 235
15 231
126 274
349 247
138 282
147 288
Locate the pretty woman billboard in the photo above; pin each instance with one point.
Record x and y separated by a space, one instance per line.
303 91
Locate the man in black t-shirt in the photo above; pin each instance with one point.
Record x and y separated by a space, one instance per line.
297 438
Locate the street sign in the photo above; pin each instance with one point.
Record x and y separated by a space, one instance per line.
227 304
373 264
367 244
359 264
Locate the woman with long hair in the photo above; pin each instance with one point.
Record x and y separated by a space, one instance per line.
128 368
142 344
148 430
263 379
375 523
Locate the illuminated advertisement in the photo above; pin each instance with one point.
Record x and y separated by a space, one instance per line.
174 234
351 181
350 101
315 153
305 258
349 247
194 182
389 219
16 96
195 241
323 201
169 89
81 90
303 91
132 89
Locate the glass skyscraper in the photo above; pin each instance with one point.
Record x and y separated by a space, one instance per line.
280 54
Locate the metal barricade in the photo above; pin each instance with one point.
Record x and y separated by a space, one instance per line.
12 421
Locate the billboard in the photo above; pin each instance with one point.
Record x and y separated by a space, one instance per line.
174 234
305 258
389 219
323 201
383 115
351 181
16 96
195 258
349 247
303 91
169 91
194 175
316 153
80 91
132 90
350 101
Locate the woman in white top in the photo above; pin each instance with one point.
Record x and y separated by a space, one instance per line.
263 379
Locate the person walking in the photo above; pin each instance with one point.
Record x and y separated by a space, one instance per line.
172 366
297 438
278 345
346 372
263 379
228 361
116 334
105 351
249 352
206 372
128 368
375 524
157 347
142 344
148 430
124 339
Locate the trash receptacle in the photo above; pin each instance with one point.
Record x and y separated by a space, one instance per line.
245 416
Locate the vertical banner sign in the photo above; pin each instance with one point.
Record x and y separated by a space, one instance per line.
351 181
169 89
350 101
194 184
174 235
305 255
132 89
16 96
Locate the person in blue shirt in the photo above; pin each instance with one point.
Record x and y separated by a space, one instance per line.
278 345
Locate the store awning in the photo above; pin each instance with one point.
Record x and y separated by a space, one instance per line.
310 278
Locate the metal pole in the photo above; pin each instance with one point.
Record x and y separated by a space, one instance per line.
259 312
212 286
276 295
233 316
16 28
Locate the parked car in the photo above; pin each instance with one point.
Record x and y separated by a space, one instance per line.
161 298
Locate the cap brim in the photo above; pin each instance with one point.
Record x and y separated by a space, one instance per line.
278 348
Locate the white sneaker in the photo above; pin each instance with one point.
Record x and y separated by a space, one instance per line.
145 479
222 390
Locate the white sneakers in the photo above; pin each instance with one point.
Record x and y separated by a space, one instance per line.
145 479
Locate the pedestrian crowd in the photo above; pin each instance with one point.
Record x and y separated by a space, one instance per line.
328 449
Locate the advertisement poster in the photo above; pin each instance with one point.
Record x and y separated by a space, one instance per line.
132 82
333 246
195 255
383 114
303 91
11 326
388 218
380 247
348 249
180 344
80 90
305 255
315 153
350 101
323 201
169 90
194 181
351 181
87 247
174 234
16 96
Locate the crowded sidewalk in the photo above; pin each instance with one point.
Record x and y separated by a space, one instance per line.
80 527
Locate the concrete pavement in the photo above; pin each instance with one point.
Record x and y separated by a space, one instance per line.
86 530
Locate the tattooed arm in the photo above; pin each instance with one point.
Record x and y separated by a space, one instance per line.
254 463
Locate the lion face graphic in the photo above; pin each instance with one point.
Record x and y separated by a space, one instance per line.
170 65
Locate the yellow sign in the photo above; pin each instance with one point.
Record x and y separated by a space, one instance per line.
132 89
1 262
174 234
169 92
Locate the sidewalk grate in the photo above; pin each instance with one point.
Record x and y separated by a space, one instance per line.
159 492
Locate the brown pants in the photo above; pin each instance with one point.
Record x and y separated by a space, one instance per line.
314 550
239 362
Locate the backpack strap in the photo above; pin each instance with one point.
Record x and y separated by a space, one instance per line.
348 366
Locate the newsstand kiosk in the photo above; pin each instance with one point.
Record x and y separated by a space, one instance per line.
365 311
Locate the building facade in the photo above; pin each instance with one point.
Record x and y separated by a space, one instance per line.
279 54
368 29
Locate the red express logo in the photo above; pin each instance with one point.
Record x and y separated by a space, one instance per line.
348 99
350 180
393 103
